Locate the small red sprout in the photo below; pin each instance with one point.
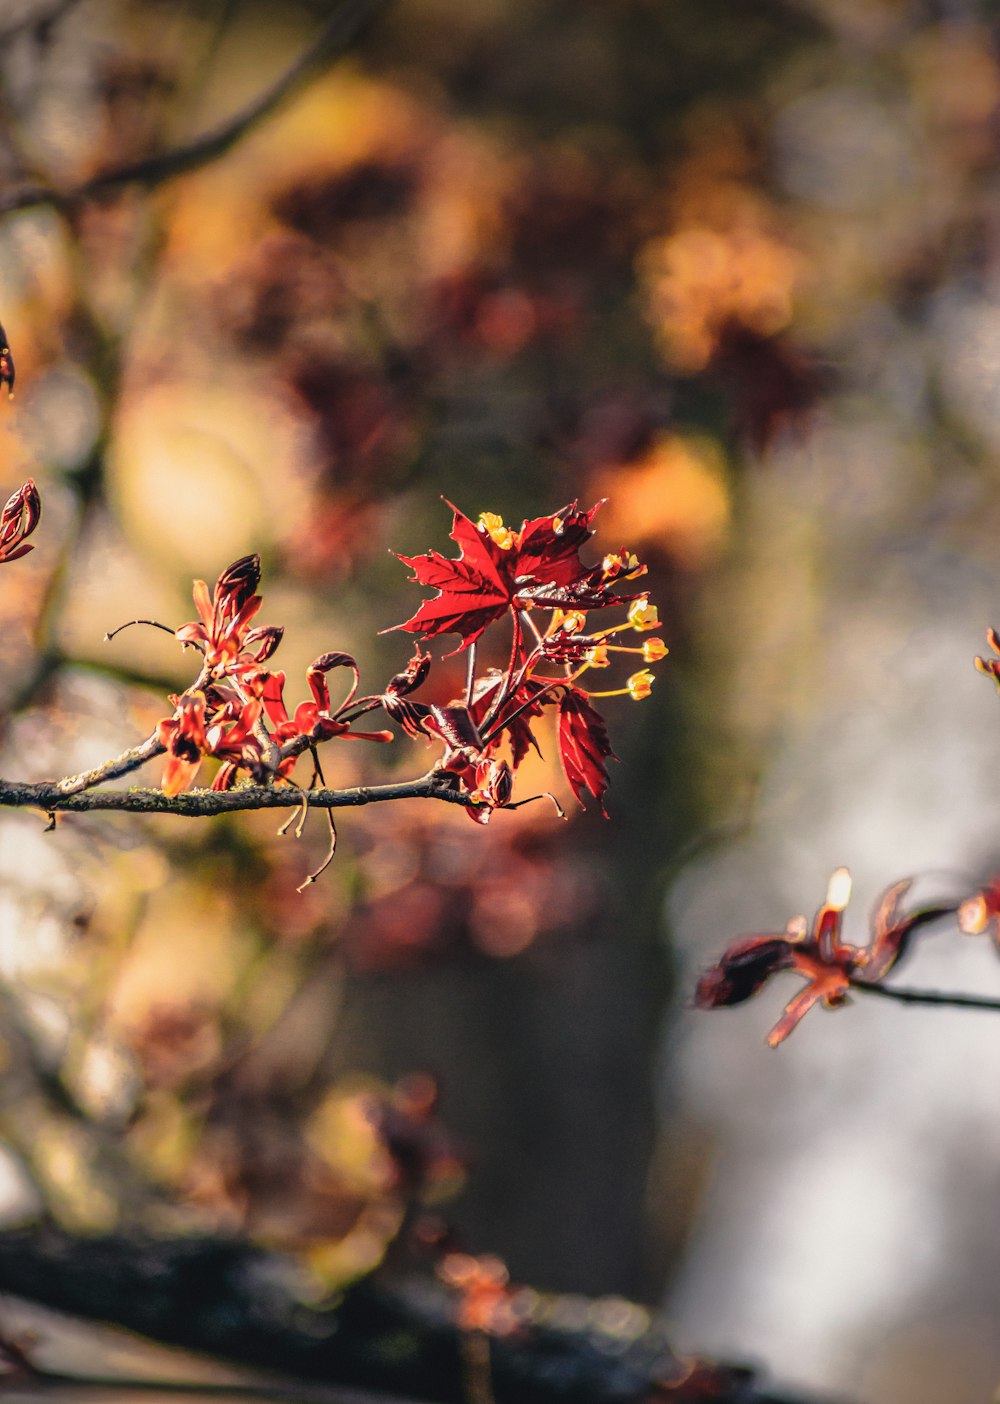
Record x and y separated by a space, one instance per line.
830 965
6 364
20 515
208 724
312 722
222 630
184 736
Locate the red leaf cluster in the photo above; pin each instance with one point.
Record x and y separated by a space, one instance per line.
500 573
225 714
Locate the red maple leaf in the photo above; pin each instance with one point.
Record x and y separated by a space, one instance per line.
583 746
500 570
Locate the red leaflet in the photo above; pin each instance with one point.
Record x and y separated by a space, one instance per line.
583 746
500 570
473 590
18 519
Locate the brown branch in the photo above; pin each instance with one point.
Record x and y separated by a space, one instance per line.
235 1302
124 764
38 1380
342 28
40 22
51 798
937 997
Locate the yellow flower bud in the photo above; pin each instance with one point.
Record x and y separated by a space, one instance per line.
643 615
653 650
973 915
493 525
640 684
597 656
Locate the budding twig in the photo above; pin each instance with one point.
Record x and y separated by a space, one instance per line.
124 764
202 804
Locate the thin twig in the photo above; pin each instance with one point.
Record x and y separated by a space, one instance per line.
938 997
335 37
153 623
470 675
40 21
332 845
41 1380
124 764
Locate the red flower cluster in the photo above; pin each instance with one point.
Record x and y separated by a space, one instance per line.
225 713
503 573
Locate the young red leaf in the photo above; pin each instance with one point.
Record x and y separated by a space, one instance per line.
742 970
18 519
583 746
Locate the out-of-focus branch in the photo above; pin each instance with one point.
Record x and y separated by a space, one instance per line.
240 1303
44 1383
50 797
40 22
343 27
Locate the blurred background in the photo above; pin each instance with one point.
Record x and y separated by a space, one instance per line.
735 268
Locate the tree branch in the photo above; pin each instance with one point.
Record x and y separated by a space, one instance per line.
43 1382
124 764
342 28
52 798
938 997
240 1303
41 21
